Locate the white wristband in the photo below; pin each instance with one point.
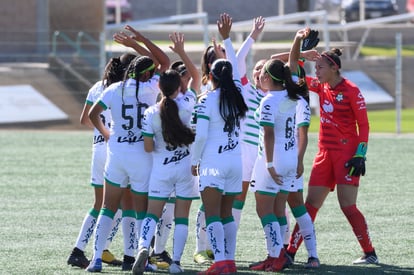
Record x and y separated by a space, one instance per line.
269 164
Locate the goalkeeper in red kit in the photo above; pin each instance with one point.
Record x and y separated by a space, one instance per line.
340 161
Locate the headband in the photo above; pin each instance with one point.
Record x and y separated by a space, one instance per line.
272 76
147 69
330 59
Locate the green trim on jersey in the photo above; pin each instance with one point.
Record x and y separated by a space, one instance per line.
147 134
139 193
100 186
203 117
88 102
303 124
102 105
267 124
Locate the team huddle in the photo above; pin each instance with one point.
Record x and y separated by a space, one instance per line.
166 135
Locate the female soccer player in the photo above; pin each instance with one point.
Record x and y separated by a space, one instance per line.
343 139
127 101
114 72
167 134
275 169
217 155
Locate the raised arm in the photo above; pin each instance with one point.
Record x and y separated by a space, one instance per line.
258 26
294 54
224 27
157 53
178 48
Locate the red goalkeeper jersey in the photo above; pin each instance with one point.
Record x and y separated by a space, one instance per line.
343 115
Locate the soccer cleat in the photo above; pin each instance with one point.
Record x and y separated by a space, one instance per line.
175 268
109 258
151 267
141 261
162 260
368 258
220 268
262 265
201 257
210 254
312 263
127 263
95 266
77 258
277 264
290 258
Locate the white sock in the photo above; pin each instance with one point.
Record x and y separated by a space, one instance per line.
215 236
115 226
307 230
237 216
163 228
147 232
102 230
201 238
286 234
130 235
273 239
86 231
230 237
180 238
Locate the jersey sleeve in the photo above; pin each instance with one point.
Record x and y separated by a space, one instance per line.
359 109
147 129
313 84
202 124
303 113
266 114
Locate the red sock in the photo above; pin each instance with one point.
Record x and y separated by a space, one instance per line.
296 238
359 226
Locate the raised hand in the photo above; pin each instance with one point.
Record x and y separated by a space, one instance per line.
224 25
258 26
124 39
178 40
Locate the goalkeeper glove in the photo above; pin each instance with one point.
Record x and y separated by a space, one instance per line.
356 164
311 41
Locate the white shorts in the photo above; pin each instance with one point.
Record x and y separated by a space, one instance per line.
98 166
263 182
224 175
129 168
176 181
249 155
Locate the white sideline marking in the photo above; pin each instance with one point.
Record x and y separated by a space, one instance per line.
23 103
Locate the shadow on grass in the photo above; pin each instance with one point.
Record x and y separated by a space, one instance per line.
242 268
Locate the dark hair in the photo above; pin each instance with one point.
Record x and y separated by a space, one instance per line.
179 66
281 74
232 105
137 70
115 68
209 56
332 56
174 131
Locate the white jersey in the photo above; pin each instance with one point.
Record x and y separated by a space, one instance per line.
249 127
93 95
171 172
276 110
127 110
163 154
303 113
